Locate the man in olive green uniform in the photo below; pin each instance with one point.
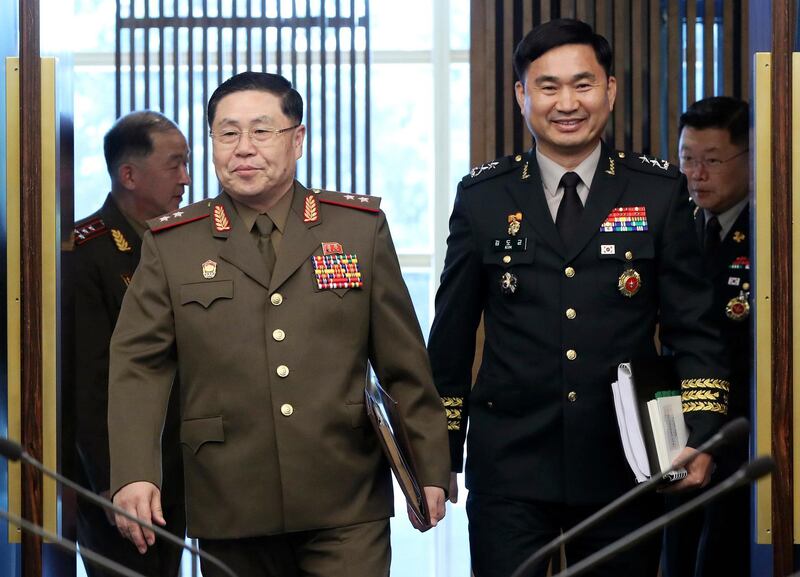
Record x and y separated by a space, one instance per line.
146 157
713 144
572 252
271 301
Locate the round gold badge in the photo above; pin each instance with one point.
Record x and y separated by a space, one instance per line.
738 308
629 283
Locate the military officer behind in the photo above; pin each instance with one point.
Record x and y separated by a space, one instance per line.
146 156
270 300
571 252
713 146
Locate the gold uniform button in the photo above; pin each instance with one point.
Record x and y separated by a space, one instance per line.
571 314
569 272
518 157
283 371
746 286
276 299
628 255
278 335
572 396
572 355
507 259
287 410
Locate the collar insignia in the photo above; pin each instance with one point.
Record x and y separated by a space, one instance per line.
221 222
120 241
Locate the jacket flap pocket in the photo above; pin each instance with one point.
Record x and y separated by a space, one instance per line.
196 432
206 293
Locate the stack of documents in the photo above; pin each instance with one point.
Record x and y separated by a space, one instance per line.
650 417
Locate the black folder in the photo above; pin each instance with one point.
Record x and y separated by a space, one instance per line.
388 423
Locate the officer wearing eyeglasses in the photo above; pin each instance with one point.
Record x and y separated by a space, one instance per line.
713 150
271 301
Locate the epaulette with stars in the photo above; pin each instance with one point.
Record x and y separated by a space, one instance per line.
186 214
491 169
648 164
358 201
89 229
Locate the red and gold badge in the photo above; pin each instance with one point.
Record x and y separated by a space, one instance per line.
629 283
514 221
332 248
738 308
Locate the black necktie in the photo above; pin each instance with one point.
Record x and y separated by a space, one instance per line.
571 207
265 227
712 240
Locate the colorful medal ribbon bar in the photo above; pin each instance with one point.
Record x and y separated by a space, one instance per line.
625 219
337 271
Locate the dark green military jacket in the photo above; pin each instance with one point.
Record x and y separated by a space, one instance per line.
559 319
274 429
107 251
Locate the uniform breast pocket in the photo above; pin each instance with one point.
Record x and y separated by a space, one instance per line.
512 274
627 267
206 294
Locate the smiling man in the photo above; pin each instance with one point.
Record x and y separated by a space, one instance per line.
572 253
271 301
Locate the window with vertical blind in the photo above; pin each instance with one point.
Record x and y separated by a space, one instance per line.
170 55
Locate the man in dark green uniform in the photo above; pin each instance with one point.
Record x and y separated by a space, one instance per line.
572 253
713 145
146 157
271 301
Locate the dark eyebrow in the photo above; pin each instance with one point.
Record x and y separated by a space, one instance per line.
556 80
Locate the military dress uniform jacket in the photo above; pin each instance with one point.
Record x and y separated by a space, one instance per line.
107 251
730 275
274 429
557 324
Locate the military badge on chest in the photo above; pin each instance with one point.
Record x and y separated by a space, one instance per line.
509 282
738 308
624 219
336 270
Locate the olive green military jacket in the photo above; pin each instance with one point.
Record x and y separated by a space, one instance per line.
274 430
106 254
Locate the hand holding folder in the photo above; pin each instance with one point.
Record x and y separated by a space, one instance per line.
388 423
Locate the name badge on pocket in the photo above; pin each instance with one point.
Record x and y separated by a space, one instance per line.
510 244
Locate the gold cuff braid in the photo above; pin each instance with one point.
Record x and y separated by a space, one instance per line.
709 395
453 406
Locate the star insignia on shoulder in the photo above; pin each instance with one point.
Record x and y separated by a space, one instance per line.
177 213
350 197
483 168
164 218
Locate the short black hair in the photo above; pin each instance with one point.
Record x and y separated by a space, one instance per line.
291 101
723 112
132 136
555 33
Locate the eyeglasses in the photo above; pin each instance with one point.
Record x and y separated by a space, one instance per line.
258 135
710 164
